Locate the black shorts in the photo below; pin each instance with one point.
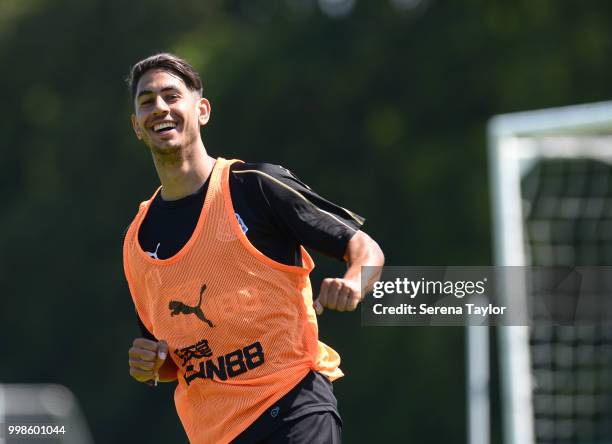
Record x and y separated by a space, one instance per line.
307 414
315 428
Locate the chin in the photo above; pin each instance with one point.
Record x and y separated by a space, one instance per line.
165 149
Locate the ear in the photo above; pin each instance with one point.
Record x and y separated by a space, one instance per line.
204 110
136 127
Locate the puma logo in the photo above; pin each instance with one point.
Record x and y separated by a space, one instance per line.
178 307
154 254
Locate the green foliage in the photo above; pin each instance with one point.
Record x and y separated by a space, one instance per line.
382 112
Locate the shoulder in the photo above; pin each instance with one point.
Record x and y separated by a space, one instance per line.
269 177
261 171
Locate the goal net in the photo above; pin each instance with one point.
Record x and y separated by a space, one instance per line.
551 177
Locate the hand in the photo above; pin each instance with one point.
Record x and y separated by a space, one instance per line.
338 294
145 358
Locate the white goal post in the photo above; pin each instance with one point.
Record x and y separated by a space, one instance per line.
518 143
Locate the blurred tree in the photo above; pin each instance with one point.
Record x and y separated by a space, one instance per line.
382 109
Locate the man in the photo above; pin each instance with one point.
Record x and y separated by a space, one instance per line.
219 277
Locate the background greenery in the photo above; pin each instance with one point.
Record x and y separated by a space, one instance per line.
382 110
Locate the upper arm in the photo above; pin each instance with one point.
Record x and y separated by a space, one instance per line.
304 215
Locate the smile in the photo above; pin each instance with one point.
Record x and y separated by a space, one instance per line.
164 127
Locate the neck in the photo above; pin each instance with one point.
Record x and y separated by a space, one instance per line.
182 172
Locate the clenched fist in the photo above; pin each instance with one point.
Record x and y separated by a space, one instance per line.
338 294
146 358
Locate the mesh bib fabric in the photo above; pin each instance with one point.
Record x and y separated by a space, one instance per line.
240 327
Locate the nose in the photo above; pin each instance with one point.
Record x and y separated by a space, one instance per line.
161 107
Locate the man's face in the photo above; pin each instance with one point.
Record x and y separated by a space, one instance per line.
167 114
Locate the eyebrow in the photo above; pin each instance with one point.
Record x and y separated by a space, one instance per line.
148 91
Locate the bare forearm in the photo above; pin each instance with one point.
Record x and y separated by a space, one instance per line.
363 251
344 294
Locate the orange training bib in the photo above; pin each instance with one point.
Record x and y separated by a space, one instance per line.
240 327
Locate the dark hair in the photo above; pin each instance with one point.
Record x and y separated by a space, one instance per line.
166 62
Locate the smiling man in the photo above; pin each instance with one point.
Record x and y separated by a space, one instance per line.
218 273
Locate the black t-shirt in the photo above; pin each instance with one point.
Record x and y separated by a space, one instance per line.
278 213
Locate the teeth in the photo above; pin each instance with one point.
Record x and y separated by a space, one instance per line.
163 125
